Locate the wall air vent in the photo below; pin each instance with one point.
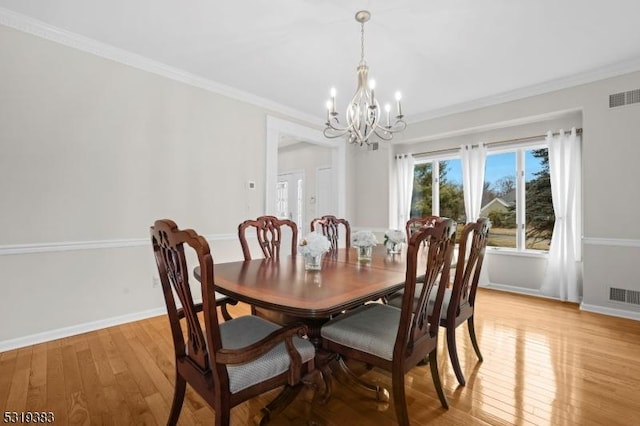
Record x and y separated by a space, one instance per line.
624 98
624 295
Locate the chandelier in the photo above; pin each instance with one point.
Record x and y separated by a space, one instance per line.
363 111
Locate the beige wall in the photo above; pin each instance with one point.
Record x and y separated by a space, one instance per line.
94 151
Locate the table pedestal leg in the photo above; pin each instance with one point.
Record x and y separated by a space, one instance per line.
382 394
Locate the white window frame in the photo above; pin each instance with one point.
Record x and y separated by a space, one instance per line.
521 209
435 175
519 148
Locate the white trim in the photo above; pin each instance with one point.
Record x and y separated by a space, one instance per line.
510 251
41 29
590 76
368 228
612 242
59 333
517 290
6 250
621 313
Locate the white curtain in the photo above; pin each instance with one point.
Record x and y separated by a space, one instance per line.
473 160
563 278
404 179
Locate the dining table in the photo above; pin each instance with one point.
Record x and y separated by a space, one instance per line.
283 285
288 292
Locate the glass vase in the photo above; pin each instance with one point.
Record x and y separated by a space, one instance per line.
394 248
364 253
312 263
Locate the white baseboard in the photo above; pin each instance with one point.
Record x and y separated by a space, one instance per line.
621 313
514 289
73 330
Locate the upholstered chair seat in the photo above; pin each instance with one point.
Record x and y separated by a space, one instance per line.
370 328
246 330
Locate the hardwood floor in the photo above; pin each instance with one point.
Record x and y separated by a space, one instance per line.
546 363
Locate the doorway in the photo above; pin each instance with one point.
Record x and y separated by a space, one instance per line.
290 197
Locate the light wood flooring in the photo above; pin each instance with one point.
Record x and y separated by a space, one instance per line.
546 363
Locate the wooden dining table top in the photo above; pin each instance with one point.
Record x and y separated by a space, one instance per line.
285 286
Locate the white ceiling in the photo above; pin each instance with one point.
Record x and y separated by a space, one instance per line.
442 54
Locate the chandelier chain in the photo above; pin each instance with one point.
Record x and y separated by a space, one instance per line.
362 42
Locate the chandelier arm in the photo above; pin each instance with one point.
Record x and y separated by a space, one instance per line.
384 134
333 136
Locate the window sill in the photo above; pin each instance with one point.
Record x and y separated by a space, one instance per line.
513 252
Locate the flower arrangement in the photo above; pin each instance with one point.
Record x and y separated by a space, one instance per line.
394 236
363 239
314 244
393 240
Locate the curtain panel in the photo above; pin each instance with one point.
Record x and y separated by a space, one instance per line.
404 178
563 278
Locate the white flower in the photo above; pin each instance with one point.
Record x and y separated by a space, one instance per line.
314 244
363 239
394 236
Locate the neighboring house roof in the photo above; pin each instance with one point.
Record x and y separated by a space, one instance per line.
495 204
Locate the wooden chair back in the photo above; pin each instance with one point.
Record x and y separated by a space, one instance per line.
417 335
329 226
473 244
197 353
269 233
416 223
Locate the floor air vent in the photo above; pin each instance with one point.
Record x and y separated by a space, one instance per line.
624 295
624 98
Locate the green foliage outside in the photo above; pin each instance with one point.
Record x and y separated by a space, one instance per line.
540 216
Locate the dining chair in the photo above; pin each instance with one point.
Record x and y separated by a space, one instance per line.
416 223
458 305
397 339
330 227
269 233
230 362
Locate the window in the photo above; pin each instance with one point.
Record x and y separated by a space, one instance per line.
282 200
437 190
517 198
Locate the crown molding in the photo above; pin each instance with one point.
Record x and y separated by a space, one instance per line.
609 71
49 32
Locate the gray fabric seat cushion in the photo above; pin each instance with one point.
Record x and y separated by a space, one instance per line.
370 328
245 330
396 299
